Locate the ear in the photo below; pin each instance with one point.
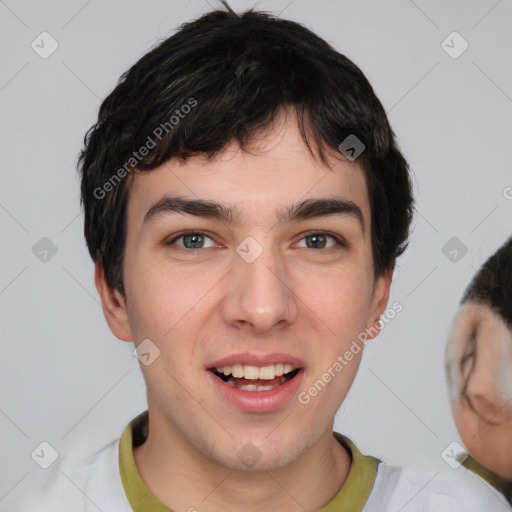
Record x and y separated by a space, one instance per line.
380 300
114 306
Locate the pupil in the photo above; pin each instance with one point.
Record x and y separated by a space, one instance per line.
194 239
317 237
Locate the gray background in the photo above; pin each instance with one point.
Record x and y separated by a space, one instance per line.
67 380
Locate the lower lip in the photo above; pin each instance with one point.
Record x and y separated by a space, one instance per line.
258 401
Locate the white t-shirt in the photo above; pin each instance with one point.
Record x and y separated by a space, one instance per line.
95 484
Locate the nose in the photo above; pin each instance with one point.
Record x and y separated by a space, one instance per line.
260 294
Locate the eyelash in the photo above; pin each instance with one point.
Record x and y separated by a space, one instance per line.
339 240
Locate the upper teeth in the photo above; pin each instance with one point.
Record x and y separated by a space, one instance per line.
256 372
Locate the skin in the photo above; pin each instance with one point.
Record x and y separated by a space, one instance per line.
294 299
486 432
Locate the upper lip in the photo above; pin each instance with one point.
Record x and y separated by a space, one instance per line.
257 360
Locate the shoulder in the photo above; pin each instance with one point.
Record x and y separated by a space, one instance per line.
86 483
427 489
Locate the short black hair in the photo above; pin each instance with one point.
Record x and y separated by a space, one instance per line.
221 78
492 284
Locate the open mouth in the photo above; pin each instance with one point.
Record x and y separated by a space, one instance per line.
256 378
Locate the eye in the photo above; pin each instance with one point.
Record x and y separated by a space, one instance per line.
191 240
319 240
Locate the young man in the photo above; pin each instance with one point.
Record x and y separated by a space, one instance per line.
244 204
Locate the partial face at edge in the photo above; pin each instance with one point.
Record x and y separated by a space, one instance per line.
303 297
482 339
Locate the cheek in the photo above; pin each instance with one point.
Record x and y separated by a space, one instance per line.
343 301
467 426
160 298
491 446
504 379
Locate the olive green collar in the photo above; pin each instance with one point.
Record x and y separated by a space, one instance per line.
352 496
504 486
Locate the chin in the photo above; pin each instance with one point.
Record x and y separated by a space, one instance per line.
256 457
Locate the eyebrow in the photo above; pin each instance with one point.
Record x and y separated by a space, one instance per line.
307 209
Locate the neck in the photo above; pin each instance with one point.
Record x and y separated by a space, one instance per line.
183 478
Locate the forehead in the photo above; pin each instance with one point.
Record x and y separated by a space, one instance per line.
277 170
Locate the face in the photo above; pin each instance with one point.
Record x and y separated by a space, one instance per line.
480 351
251 295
